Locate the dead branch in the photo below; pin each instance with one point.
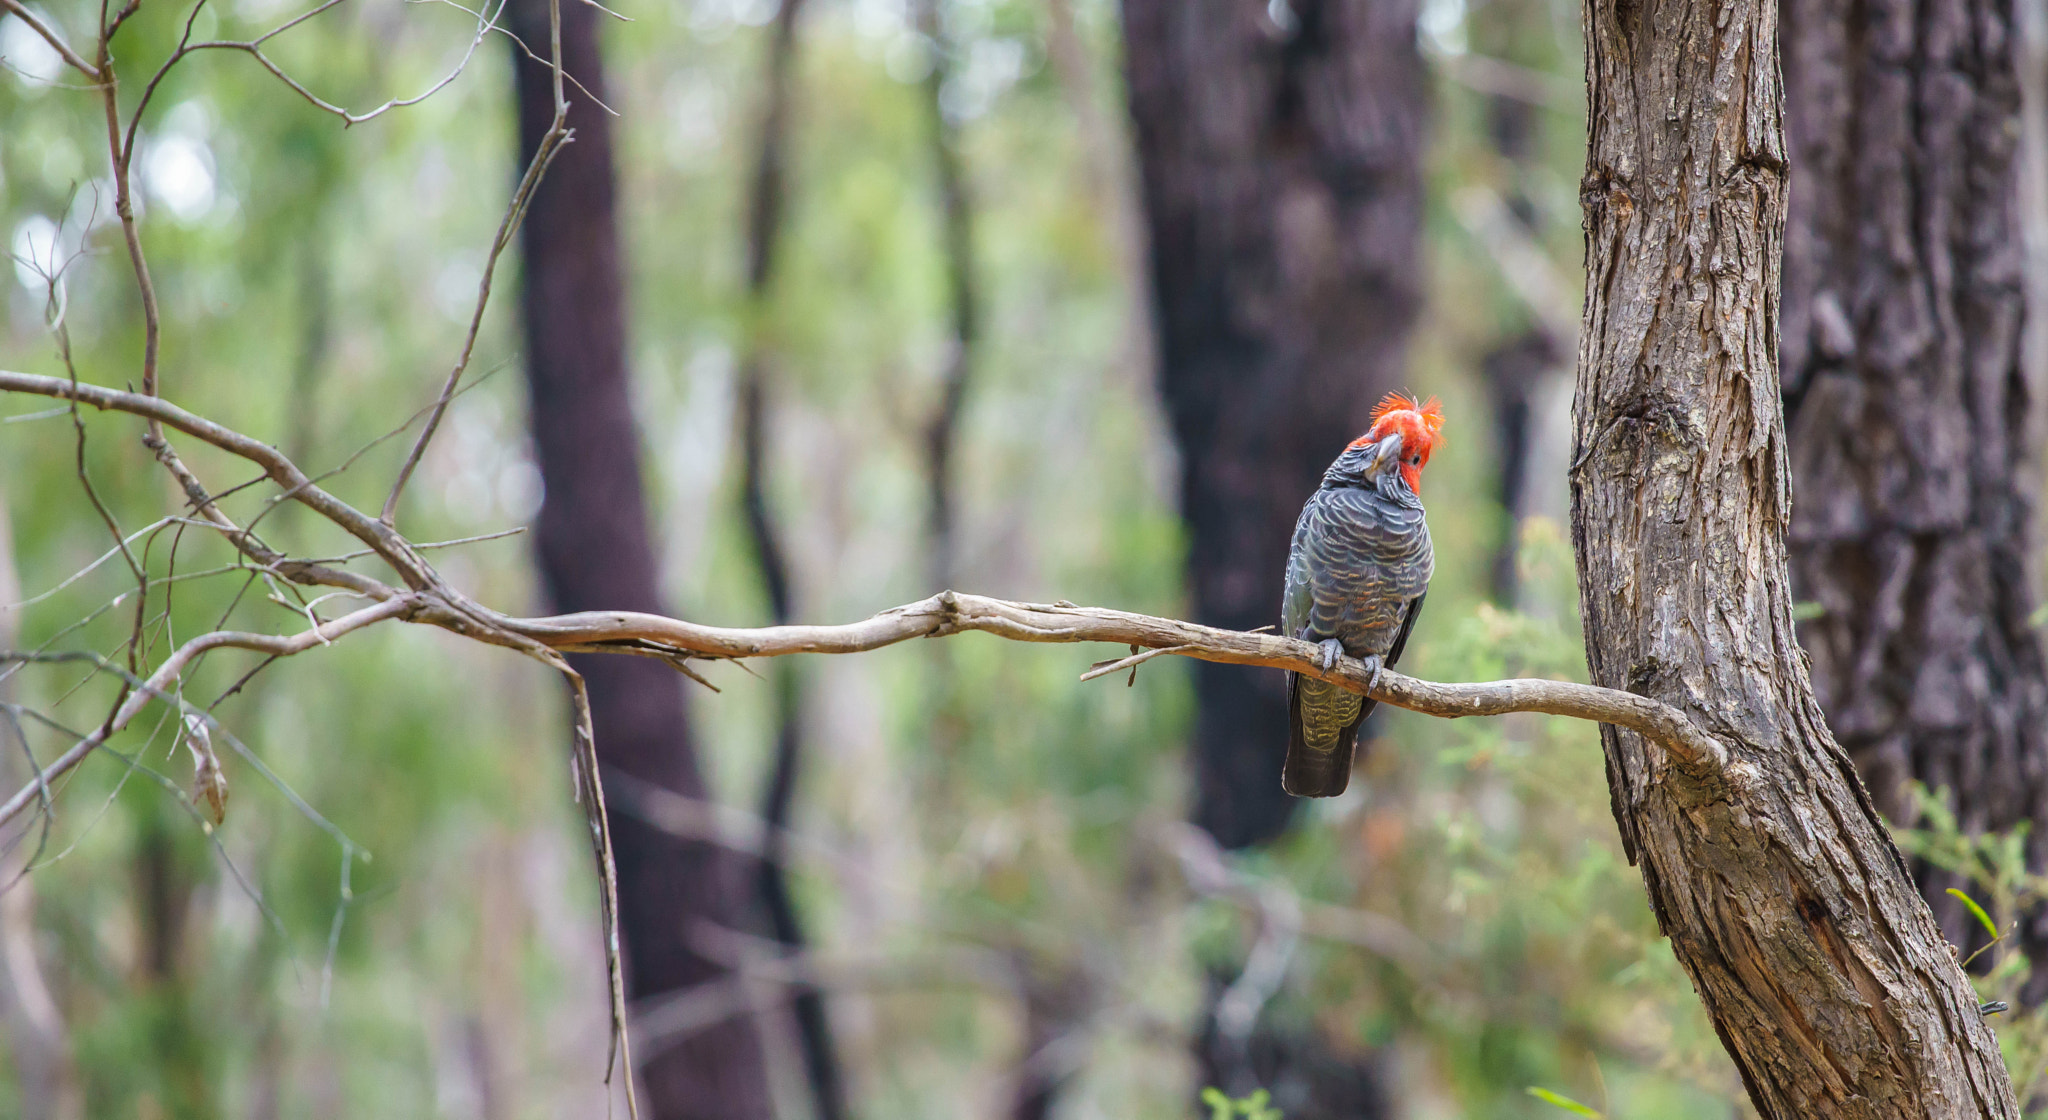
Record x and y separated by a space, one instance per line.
50 36
158 685
952 612
432 601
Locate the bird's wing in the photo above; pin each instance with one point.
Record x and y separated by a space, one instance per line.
1407 626
1296 601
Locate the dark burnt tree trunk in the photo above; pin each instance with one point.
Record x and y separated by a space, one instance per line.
1280 153
1908 413
963 301
596 552
1820 966
768 198
1280 165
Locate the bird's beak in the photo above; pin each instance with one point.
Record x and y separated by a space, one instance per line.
1386 454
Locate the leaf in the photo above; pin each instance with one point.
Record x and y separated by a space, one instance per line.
1220 1106
1563 1102
209 781
1990 926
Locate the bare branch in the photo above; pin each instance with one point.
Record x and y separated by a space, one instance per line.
486 23
50 36
557 134
953 612
1502 78
281 470
155 688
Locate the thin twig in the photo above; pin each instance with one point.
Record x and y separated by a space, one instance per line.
50 36
1105 668
550 143
154 688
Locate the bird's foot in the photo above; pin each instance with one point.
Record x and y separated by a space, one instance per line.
1332 650
1372 670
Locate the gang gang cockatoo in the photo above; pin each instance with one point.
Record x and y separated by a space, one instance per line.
1356 577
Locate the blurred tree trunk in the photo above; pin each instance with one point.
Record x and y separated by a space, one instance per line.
1281 173
1820 966
596 552
1519 366
1908 410
38 1043
765 205
963 301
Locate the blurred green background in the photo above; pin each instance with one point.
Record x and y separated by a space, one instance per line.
1470 926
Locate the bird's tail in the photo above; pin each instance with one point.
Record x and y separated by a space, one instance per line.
1318 771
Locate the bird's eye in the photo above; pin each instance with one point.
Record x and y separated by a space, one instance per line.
1415 460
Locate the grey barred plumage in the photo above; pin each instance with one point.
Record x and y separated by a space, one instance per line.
1356 577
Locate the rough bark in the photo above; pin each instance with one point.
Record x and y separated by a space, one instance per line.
1821 968
595 550
1908 411
1280 168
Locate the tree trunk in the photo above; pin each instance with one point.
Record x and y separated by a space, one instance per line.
963 302
1908 411
1518 367
1820 966
38 1042
766 203
1280 166
595 552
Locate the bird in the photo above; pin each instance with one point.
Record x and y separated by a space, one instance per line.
1357 573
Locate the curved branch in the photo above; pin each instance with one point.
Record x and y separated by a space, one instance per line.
276 645
948 612
381 539
952 612
16 9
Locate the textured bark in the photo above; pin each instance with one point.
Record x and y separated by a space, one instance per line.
595 550
1281 179
1908 412
1820 966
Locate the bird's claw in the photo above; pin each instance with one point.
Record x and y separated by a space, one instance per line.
1372 670
1332 650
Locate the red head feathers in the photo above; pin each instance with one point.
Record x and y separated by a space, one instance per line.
1421 427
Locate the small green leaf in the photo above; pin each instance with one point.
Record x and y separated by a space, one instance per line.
2039 617
1990 926
1808 609
1220 1106
1563 1102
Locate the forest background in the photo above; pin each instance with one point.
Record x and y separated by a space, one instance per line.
1005 909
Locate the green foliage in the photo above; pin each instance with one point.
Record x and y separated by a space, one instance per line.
1257 1105
2000 888
1564 1102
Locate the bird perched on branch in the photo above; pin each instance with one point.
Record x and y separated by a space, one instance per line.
1356 577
